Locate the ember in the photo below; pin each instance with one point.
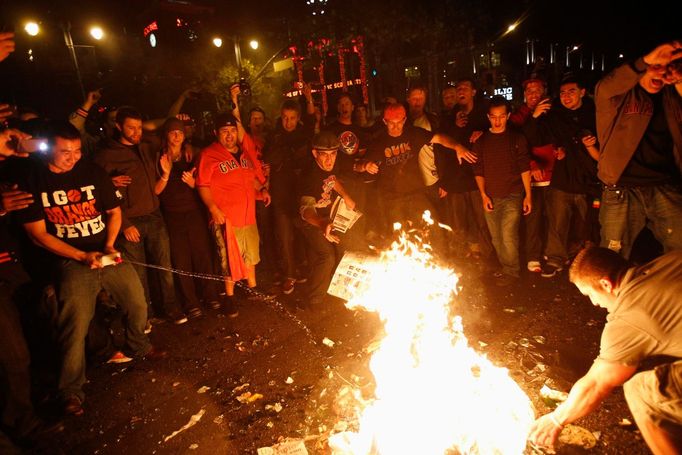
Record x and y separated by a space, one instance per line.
433 392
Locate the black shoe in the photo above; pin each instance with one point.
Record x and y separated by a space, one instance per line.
550 270
156 354
36 429
230 306
215 304
505 280
195 313
177 317
73 406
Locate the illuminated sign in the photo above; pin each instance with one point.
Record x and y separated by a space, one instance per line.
331 86
150 28
507 92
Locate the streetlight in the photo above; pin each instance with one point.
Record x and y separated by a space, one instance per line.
97 32
511 28
32 28
254 44
217 42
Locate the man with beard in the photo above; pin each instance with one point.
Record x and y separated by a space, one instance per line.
131 164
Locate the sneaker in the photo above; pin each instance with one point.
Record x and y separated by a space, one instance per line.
215 304
550 270
288 286
195 313
177 317
119 357
534 266
231 309
148 327
73 406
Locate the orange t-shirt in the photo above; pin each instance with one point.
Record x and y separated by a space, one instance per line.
232 181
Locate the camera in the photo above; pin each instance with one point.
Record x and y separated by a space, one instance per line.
244 87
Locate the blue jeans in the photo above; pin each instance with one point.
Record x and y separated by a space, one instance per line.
625 211
564 210
77 293
503 223
153 248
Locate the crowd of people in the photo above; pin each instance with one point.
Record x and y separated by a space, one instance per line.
535 183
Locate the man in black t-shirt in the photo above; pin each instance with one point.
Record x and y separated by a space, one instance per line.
394 156
75 215
317 191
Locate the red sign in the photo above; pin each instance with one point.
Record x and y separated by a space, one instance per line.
150 28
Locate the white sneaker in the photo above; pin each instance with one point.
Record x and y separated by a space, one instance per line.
534 266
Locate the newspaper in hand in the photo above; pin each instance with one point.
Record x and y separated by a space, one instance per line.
353 275
342 217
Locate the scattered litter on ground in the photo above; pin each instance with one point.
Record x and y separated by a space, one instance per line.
539 339
218 420
509 310
625 423
577 436
192 421
248 397
289 380
241 387
482 344
286 447
552 397
203 389
327 342
194 447
277 407
175 384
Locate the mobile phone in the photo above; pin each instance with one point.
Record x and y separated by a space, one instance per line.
32 145
111 259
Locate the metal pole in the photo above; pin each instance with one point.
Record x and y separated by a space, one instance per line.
69 44
238 55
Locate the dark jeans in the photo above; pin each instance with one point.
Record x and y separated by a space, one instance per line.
153 248
322 256
503 223
266 232
535 224
403 208
15 380
191 251
77 294
564 211
626 211
285 233
468 222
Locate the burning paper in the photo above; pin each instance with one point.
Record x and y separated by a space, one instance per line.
433 392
